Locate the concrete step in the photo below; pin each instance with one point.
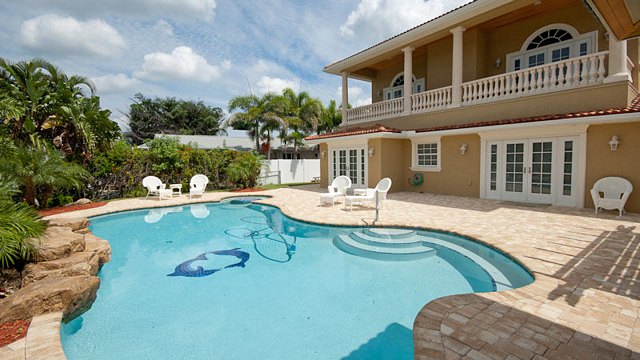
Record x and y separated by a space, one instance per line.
392 242
351 246
384 233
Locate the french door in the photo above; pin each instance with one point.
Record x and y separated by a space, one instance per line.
532 170
351 162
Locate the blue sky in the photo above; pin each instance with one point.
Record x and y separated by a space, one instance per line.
209 50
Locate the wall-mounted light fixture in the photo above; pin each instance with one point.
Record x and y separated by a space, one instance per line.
613 143
498 62
463 149
323 154
372 151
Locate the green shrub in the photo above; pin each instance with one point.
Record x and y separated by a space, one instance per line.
245 169
20 228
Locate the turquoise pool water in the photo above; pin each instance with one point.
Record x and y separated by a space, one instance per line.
237 280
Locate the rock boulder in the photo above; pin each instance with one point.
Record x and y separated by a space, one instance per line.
74 223
100 246
80 263
59 242
66 294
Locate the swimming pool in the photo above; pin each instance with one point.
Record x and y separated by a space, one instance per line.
239 280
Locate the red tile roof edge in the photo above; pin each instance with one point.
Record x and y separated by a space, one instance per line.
634 107
377 128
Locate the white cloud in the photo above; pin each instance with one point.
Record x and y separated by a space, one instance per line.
270 84
379 19
113 83
163 27
179 9
357 97
183 63
54 34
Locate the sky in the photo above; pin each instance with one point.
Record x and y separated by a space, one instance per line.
205 50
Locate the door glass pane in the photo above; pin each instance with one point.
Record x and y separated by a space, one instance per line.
353 167
568 167
335 164
343 162
362 160
541 167
515 161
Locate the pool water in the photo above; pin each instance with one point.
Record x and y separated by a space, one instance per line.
248 282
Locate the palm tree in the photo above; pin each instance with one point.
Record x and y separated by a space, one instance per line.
40 169
261 114
302 114
37 97
20 228
331 117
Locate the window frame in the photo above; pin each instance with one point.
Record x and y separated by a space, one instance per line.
415 166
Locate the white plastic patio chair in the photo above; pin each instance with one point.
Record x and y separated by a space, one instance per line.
611 193
155 187
197 185
337 189
365 196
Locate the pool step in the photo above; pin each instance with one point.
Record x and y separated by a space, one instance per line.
363 237
385 233
360 244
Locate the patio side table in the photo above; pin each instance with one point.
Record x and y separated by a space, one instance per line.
176 189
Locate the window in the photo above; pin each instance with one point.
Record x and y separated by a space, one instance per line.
396 87
555 42
426 155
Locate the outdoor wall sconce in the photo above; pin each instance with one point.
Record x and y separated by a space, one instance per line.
613 143
463 149
498 62
372 151
323 154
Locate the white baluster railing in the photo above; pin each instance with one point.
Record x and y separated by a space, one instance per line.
431 100
585 70
375 111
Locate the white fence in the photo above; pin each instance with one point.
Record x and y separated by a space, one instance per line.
289 171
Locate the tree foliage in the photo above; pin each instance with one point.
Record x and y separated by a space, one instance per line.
245 169
36 97
20 228
172 116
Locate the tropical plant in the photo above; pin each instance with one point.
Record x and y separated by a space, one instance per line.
21 227
262 115
36 97
39 169
331 117
148 117
245 169
302 114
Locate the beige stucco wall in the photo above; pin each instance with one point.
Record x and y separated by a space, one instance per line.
324 165
624 162
387 161
459 174
510 38
482 47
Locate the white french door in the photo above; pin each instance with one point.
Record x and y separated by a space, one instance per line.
351 162
532 170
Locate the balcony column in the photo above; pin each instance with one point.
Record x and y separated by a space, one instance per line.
408 78
618 70
345 96
456 68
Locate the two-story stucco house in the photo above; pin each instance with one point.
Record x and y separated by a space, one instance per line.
515 100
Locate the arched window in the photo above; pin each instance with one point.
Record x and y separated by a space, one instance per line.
555 42
549 37
396 87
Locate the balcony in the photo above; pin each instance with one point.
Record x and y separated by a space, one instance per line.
562 75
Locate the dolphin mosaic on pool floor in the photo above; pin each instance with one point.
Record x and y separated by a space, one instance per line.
584 303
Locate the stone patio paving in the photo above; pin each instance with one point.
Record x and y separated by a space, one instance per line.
584 303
